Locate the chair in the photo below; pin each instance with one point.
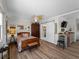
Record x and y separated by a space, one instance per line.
4 52
61 41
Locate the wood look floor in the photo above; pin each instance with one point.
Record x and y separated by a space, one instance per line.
46 51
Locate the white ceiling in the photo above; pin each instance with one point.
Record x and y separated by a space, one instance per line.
48 8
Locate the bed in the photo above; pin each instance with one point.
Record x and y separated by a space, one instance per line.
24 38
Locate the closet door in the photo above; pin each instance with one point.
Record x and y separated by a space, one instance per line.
50 32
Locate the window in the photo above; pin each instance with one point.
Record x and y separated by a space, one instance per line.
1 26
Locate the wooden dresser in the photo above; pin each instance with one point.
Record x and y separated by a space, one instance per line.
35 30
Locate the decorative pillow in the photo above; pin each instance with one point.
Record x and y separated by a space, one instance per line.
25 35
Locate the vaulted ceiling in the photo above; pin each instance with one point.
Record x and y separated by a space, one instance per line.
48 8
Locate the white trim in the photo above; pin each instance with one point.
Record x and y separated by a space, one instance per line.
75 11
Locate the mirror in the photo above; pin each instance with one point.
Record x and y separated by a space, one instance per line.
64 24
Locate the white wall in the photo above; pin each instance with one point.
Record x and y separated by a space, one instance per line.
58 19
50 27
51 35
18 20
77 32
15 20
71 24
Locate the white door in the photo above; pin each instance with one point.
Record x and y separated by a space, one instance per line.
50 32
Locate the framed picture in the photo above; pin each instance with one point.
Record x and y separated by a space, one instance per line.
44 31
12 30
21 27
27 27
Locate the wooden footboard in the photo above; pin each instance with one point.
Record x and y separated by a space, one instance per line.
29 41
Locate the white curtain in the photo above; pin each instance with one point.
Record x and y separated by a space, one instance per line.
0 26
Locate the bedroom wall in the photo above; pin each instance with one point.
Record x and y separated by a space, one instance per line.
51 36
49 31
15 20
71 23
70 18
73 26
56 20
77 25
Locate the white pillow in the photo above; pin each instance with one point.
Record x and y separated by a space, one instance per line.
25 35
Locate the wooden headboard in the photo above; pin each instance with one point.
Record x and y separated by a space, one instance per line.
20 33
